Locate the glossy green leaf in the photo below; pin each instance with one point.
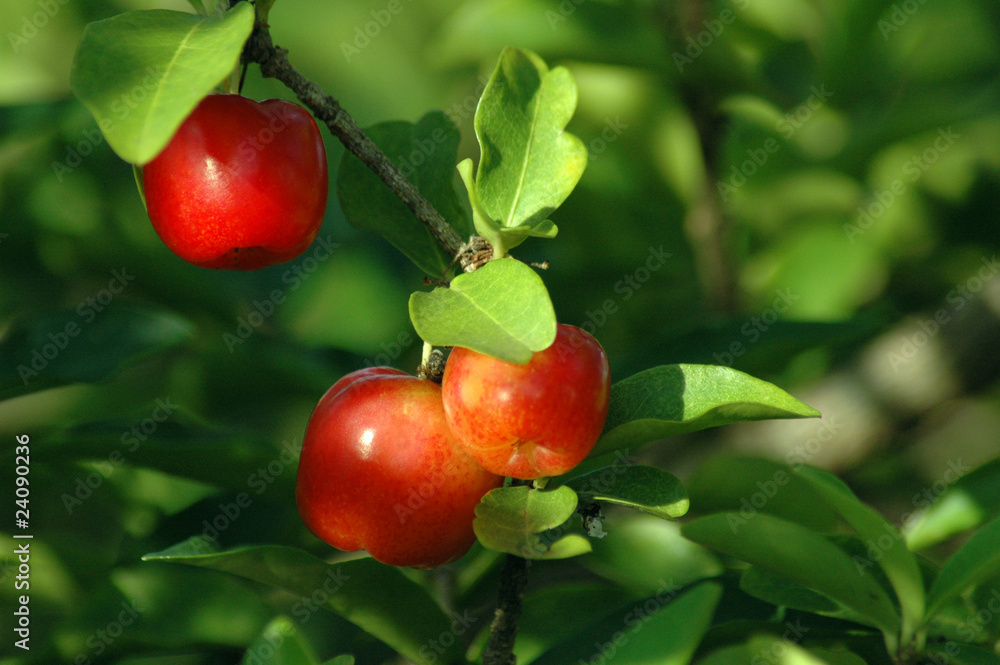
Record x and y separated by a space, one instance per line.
779 650
664 629
755 484
646 555
802 556
281 643
425 152
83 345
675 399
529 164
976 561
142 73
971 500
378 599
503 310
644 488
516 520
895 559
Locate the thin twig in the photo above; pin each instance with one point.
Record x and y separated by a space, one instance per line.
274 63
503 631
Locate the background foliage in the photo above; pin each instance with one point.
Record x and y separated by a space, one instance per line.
804 190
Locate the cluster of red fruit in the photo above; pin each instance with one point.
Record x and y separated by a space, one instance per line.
390 463
396 465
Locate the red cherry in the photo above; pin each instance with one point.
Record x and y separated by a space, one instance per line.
381 471
241 185
533 420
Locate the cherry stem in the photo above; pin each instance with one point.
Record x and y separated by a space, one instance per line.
274 63
503 631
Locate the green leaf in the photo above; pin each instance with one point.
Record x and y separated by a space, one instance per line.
779 590
755 484
281 643
503 310
976 561
85 345
664 629
379 599
529 163
802 556
895 559
514 520
142 73
971 500
961 654
675 399
645 488
425 152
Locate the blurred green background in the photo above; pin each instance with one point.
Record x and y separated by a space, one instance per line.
806 190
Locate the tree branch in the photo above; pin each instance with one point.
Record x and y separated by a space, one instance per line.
503 630
274 63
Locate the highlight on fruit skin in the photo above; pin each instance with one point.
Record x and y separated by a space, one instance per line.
381 471
534 420
242 184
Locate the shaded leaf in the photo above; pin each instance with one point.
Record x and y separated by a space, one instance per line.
83 345
142 73
751 484
976 561
426 153
503 310
896 560
802 556
972 500
280 643
378 599
665 629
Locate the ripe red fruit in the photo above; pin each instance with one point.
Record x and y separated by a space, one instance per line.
241 185
381 471
533 420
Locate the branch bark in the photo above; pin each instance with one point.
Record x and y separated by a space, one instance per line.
503 631
274 63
